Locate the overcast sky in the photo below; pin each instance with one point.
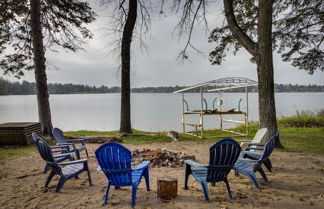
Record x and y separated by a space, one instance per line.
159 67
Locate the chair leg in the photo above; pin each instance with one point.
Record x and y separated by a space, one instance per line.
262 174
147 178
106 194
228 189
268 160
60 184
267 165
188 172
205 189
89 177
46 168
87 152
49 178
134 190
77 153
254 180
86 168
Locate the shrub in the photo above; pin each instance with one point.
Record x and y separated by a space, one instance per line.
303 119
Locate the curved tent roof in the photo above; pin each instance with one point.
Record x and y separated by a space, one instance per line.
223 84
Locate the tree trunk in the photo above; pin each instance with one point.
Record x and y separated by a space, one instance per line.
125 115
44 112
262 52
267 107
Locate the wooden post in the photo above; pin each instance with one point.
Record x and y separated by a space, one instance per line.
167 188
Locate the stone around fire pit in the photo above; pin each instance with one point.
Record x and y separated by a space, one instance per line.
161 157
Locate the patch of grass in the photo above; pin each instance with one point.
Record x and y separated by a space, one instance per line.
92 133
309 140
11 151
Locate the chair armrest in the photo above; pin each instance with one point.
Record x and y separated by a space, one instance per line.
252 148
256 144
143 165
249 152
73 162
62 155
59 146
76 140
68 144
61 150
194 164
243 140
247 160
64 144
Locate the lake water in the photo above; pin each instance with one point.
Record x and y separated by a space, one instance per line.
151 112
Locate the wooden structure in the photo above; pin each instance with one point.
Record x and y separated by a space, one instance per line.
219 86
18 133
167 188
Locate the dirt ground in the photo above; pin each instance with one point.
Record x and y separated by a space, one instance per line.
296 182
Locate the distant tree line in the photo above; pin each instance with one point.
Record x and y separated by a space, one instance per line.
25 88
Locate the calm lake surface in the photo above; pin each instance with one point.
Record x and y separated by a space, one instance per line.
151 112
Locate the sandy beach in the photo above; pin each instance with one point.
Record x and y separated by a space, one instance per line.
296 182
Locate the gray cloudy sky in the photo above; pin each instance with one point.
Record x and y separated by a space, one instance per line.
159 67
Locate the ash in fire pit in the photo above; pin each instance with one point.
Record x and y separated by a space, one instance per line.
161 157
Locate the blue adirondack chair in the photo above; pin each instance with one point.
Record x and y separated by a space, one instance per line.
59 138
251 153
115 161
223 156
65 170
63 150
242 166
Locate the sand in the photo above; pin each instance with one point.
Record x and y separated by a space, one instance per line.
296 182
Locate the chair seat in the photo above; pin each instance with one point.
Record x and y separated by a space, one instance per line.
242 167
200 174
72 169
60 159
136 176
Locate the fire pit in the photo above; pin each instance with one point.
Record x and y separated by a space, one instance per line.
161 157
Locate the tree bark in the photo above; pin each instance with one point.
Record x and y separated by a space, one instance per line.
262 53
267 107
125 115
44 112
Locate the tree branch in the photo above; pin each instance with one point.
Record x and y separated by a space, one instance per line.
237 32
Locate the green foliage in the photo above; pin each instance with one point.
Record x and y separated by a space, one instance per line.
26 88
297 32
62 24
303 119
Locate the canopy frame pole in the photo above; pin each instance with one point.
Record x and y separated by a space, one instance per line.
202 112
183 115
247 111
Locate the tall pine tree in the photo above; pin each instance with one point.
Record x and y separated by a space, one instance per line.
28 28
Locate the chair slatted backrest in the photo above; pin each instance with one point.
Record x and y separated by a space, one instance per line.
45 152
277 137
268 148
43 148
223 156
260 136
115 161
58 135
